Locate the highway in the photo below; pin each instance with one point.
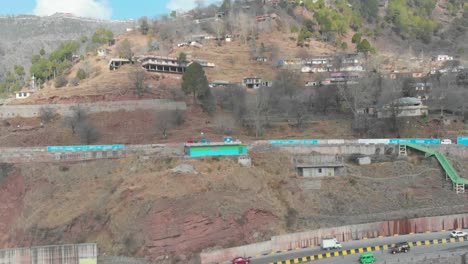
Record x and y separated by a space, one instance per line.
380 246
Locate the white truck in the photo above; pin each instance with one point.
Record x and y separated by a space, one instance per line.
330 243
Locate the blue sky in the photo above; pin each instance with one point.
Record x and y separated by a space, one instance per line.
114 9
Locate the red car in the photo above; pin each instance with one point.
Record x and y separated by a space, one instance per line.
241 260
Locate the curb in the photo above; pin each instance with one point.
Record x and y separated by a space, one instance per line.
368 249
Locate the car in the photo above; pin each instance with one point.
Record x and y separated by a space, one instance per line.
458 233
367 258
400 248
241 260
446 141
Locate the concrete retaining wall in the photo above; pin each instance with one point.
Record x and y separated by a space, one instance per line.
40 154
73 254
346 149
342 233
10 111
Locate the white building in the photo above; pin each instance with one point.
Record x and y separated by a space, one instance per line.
23 94
443 57
403 107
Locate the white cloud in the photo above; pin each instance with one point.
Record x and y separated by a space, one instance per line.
83 8
185 5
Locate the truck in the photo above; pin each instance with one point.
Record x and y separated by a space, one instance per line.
330 243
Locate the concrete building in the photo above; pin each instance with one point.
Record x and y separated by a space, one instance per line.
23 94
442 57
219 83
403 107
102 52
319 166
256 82
116 63
163 64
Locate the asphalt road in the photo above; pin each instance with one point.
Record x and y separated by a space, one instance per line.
355 244
414 255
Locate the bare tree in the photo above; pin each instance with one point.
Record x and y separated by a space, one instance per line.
362 95
166 120
87 132
233 99
391 103
298 111
138 78
327 98
258 110
224 124
47 114
124 50
78 115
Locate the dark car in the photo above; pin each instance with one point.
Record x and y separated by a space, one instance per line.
401 248
241 260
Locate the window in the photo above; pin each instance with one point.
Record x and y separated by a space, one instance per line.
320 170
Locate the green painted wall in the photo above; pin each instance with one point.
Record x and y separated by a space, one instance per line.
221 150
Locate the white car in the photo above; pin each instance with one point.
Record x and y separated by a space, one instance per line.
446 141
457 233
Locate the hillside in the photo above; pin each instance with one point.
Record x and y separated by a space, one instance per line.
151 207
25 35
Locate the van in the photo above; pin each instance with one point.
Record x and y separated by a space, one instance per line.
367 258
446 142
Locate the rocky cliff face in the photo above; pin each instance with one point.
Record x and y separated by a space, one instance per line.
24 36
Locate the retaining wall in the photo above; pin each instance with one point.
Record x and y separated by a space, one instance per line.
338 149
342 233
40 154
72 254
10 111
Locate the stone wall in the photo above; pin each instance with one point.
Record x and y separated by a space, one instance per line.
10 111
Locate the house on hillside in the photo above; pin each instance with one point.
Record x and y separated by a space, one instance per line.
421 90
23 94
255 82
403 107
219 83
442 57
319 166
116 63
163 64
265 17
103 52
312 83
261 59
271 2
204 63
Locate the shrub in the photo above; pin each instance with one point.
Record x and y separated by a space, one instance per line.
60 81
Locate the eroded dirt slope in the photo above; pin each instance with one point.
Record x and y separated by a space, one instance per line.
138 206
